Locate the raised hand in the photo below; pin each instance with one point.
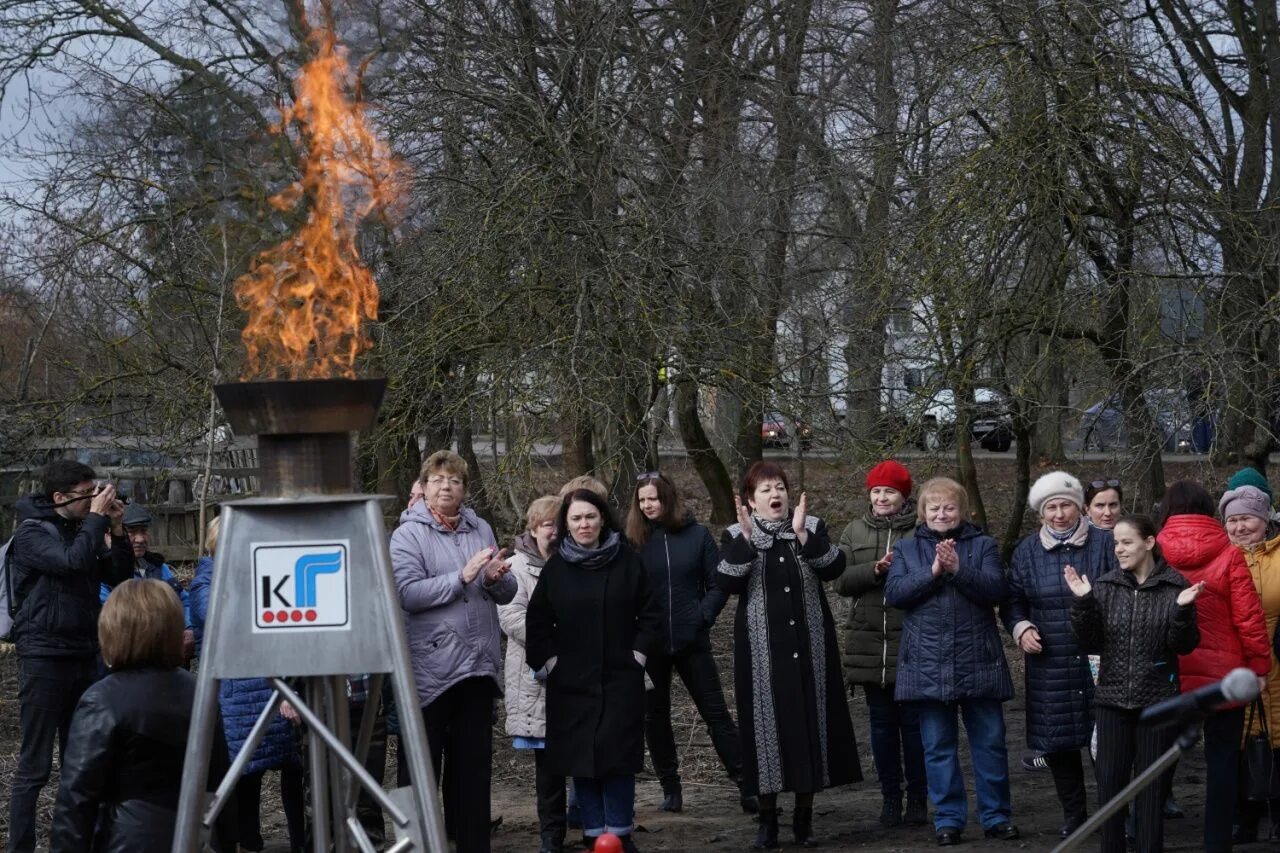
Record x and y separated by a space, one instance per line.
744 517
947 557
798 517
1190 594
1078 584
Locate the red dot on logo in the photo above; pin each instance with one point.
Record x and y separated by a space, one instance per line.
296 616
311 616
268 617
283 615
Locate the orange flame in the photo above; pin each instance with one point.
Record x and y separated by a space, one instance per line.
309 297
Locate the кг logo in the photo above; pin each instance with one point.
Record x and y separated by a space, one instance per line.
301 586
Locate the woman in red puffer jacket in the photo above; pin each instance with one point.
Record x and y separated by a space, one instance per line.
1233 633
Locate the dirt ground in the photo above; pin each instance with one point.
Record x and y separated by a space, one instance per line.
845 817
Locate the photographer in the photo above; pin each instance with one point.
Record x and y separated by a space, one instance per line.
58 562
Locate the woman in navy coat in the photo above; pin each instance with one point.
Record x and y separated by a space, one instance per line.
1059 686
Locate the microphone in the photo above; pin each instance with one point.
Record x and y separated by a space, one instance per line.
1240 685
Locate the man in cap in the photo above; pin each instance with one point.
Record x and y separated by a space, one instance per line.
148 564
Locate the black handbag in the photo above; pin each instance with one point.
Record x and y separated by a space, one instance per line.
1262 775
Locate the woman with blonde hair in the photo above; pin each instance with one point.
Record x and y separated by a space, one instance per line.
949 580
122 769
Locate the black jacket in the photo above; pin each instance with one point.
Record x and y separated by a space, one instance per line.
592 621
682 577
57 577
122 773
1139 631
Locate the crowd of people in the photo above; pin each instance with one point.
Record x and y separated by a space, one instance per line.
1112 612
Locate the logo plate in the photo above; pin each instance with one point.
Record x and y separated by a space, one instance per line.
301 586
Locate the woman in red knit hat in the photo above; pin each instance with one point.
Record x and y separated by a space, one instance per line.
872 631
1233 633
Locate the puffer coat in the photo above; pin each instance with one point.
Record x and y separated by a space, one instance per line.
526 697
1264 566
1139 630
241 700
1233 631
872 630
1059 686
951 647
452 627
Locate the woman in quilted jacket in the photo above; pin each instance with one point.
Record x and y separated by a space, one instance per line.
1059 686
1246 512
1139 619
1233 634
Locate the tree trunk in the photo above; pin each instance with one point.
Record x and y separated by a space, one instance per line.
711 469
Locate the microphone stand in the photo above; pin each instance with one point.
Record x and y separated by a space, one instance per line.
1185 741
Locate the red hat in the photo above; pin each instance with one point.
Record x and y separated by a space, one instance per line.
891 474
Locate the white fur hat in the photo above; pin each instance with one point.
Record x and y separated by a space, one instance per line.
1055 484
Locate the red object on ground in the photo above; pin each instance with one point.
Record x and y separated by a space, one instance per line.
608 843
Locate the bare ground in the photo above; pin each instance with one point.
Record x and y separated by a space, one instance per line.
845 817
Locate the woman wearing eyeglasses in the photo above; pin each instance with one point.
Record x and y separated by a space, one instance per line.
681 557
451 577
1104 503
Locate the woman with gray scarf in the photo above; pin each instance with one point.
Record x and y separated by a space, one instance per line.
591 625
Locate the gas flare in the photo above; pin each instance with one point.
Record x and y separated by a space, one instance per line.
309 297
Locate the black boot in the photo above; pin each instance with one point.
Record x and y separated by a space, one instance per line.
767 834
917 811
802 826
750 805
891 812
672 801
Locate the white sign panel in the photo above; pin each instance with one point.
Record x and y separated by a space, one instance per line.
301 586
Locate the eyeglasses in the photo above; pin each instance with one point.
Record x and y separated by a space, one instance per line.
1105 484
440 481
649 475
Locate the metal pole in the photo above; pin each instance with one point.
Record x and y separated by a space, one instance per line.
319 767
339 776
1185 741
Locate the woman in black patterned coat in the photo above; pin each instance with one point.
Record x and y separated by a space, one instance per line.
796 732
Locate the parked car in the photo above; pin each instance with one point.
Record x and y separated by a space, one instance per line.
931 420
773 431
1102 425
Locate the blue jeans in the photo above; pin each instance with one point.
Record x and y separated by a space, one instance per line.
608 804
984 724
895 730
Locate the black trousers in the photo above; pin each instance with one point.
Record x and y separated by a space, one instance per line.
551 801
459 727
1125 747
697 669
248 793
48 690
1222 733
1068 778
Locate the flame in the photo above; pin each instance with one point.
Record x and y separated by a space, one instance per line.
308 298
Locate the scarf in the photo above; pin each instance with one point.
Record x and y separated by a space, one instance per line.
1075 537
591 558
449 521
765 533
527 544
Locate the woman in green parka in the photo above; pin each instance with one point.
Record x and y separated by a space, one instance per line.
872 630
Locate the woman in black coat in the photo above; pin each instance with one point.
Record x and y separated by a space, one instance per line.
1139 618
122 770
796 732
591 625
681 559
1059 685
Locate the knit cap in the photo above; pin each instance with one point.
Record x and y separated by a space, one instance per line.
1055 484
1250 477
891 474
1245 500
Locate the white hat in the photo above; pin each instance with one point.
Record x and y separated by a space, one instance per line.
1055 484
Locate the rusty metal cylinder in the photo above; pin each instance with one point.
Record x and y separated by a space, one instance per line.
304 429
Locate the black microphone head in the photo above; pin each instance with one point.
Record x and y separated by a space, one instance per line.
1240 685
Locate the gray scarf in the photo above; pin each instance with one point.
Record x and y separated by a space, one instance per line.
591 558
764 533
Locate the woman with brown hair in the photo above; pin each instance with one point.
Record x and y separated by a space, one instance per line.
796 732
122 769
681 559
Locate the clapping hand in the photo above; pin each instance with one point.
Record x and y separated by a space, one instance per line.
744 517
497 567
1077 583
945 559
478 562
883 564
1190 594
798 517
